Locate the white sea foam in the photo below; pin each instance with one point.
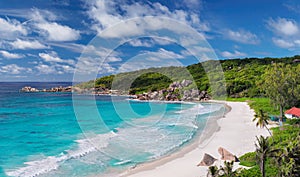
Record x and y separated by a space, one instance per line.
171 132
85 146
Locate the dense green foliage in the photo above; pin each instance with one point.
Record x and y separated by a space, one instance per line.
243 77
287 159
286 140
282 85
248 159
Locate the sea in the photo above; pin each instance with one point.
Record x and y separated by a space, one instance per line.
65 134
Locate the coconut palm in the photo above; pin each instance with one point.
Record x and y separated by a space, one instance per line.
227 169
263 150
262 120
213 171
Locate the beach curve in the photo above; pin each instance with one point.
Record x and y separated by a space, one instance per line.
235 132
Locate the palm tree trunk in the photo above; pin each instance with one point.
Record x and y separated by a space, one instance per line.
263 168
281 112
269 131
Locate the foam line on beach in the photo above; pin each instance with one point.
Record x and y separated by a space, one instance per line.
38 167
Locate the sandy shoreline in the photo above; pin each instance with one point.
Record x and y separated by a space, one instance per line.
235 132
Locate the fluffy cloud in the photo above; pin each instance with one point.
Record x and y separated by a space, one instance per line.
53 58
283 26
56 32
24 44
283 43
88 65
164 54
13 69
108 13
150 42
242 36
54 68
141 43
9 55
43 21
286 33
10 29
234 54
46 69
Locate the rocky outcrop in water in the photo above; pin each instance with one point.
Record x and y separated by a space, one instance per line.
177 91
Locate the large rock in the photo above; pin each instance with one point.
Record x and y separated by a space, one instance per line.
194 93
207 160
226 155
186 83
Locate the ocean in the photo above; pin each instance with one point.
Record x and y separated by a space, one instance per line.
60 134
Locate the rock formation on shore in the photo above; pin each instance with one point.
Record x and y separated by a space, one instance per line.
207 160
226 155
177 91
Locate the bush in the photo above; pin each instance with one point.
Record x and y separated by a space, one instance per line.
248 159
252 172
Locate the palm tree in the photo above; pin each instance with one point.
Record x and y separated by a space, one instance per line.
213 171
262 120
289 159
263 150
227 170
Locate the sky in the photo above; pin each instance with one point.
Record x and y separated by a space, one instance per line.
51 40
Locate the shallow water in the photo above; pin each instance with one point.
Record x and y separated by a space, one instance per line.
55 134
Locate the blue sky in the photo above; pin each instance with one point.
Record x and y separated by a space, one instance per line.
45 40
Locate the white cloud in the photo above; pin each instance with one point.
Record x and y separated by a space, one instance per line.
56 32
164 54
46 69
53 58
23 44
13 69
43 20
242 36
162 41
9 55
89 65
141 43
234 54
42 15
197 50
143 61
10 29
108 13
55 68
193 4
286 31
283 43
283 26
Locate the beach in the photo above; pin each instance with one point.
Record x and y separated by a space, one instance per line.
235 132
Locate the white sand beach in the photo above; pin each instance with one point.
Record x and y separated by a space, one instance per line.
235 132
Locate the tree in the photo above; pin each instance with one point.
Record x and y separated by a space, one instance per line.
282 85
213 171
263 150
262 120
227 170
289 159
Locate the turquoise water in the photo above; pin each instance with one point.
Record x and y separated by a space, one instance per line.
57 134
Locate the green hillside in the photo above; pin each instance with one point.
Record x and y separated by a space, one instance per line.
243 76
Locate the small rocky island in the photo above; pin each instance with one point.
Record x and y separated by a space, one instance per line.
177 91
54 89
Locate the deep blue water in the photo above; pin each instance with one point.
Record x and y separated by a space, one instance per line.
60 134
